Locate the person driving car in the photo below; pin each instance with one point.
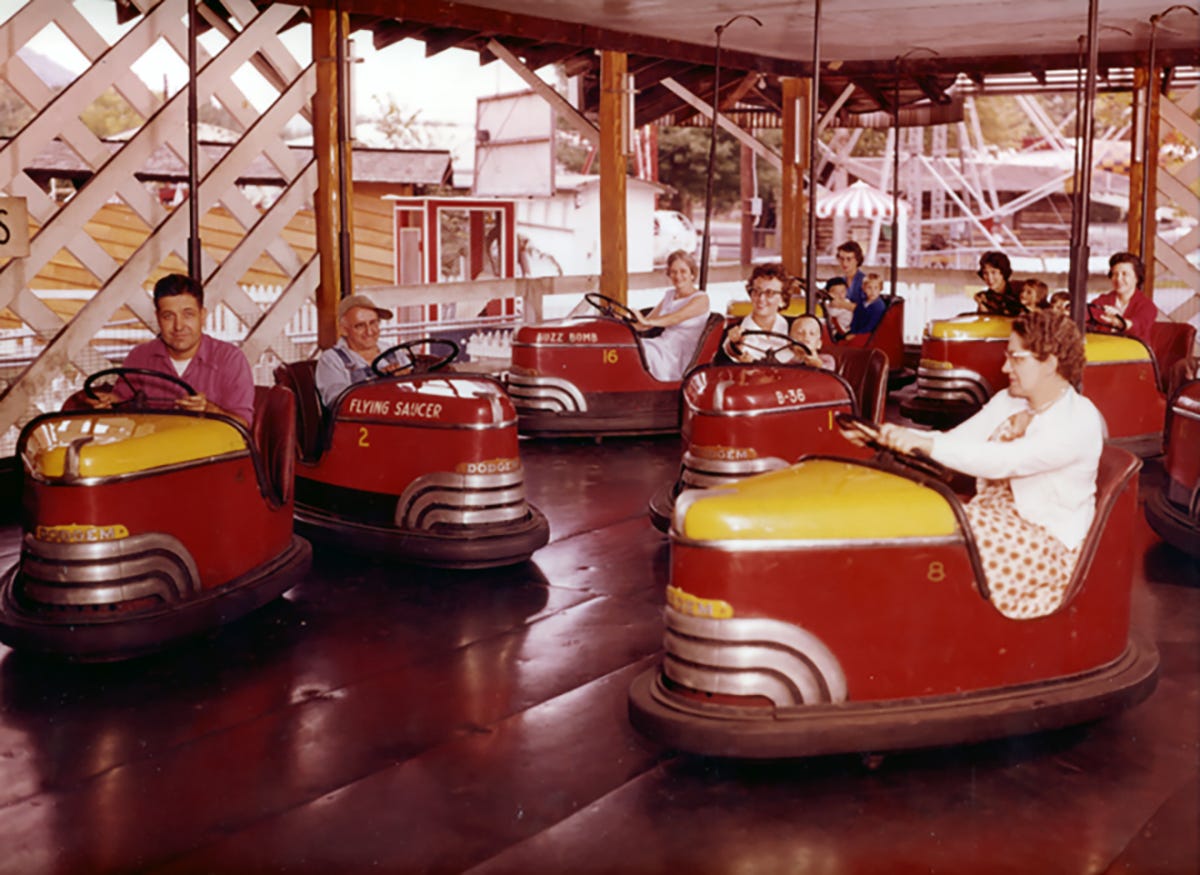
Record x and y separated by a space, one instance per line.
349 360
218 371
1035 449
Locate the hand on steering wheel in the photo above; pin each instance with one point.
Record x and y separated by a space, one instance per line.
868 434
999 305
771 354
1097 320
419 365
611 307
138 398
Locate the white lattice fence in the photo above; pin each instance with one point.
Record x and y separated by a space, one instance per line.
155 236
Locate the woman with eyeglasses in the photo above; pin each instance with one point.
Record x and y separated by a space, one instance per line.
1035 448
769 288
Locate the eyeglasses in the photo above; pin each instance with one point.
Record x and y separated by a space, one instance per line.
1018 355
765 293
370 325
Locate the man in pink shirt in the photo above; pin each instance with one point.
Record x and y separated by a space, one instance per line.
216 370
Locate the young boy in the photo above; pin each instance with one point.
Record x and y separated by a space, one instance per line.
806 329
870 311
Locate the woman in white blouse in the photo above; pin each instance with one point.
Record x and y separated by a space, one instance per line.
1035 448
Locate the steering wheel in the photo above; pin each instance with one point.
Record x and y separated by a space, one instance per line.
138 397
869 433
611 307
998 304
418 365
771 355
1097 324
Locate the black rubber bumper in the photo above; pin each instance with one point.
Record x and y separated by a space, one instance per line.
482 547
109 638
881 726
1172 524
937 413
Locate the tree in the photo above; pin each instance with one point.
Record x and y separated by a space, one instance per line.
400 127
110 114
683 165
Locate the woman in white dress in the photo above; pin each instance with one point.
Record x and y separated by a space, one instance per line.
682 314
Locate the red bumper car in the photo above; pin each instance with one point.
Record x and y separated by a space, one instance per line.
746 419
1173 509
143 527
888 337
423 468
838 606
962 360
587 376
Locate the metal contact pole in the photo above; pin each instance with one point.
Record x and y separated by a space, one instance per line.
344 254
193 115
1079 246
814 99
712 149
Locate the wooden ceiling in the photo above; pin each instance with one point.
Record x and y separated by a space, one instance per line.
885 48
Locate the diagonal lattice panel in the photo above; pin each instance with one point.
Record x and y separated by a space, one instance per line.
154 235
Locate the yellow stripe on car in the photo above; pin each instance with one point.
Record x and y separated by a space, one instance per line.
112 444
817 499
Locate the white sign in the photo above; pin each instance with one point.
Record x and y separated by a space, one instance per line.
14 227
514 146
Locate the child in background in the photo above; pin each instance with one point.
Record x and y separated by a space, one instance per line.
841 308
870 311
1034 294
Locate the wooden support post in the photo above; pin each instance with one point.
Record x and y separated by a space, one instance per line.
746 178
614 247
1150 207
325 142
793 208
1136 170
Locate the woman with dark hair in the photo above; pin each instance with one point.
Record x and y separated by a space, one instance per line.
682 314
1125 307
1000 297
1035 448
769 288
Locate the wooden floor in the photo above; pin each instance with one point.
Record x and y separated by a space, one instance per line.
385 719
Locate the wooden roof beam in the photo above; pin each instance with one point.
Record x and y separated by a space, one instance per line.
390 32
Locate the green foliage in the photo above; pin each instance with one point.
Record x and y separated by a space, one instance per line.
14 112
400 127
109 114
683 165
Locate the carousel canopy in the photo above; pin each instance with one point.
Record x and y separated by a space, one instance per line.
859 201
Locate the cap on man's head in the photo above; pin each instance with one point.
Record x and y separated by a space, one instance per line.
353 301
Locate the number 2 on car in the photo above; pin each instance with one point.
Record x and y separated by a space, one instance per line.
362 437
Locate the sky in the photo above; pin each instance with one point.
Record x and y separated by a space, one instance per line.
441 89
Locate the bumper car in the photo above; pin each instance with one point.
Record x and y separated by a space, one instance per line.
121 554
1173 510
791 631
587 377
962 360
422 468
887 337
745 419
